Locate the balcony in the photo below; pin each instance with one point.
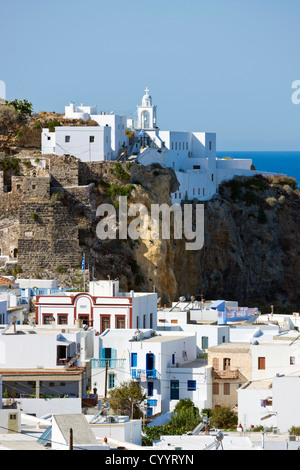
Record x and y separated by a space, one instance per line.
111 363
144 374
225 374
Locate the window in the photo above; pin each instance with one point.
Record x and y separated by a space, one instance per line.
47 319
292 360
227 389
226 363
174 389
216 388
179 196
199 191
175 145
175 195
150 389
204 342
144 321
48 138
215 363
193 191
261 363
209 145
92 139
151 320
120 322
105 323
172 145
187 146
133 359
191 385
62 319
212 177
67 138
173 359
179 145
111 381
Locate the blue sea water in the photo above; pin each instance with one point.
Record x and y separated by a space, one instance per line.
277 162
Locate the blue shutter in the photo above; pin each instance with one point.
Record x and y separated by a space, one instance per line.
133 359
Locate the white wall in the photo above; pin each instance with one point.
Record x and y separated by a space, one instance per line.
277 359
250 410
128 431
118 124
79 144
286 403
45 406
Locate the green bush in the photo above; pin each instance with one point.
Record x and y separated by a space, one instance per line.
23 107
117 190
10 164
52 125
223 418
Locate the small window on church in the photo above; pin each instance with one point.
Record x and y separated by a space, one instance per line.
172 145
175 145
179 145
212 177
187 146
92 139
175 195
67 138
209 145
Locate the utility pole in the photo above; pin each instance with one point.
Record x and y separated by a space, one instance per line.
71 439
106 376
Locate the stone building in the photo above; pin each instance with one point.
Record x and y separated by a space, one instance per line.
232 367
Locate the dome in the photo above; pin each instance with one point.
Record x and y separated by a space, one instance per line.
147 99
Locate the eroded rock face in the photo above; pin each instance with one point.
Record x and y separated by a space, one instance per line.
251 234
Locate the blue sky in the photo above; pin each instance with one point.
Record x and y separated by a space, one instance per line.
223 66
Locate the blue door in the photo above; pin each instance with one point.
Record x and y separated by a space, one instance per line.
150 361
174 389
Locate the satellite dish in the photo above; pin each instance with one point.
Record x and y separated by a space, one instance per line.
106 405
182 299
158 300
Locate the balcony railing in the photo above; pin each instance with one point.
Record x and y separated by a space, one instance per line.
225 374
144 374
111 363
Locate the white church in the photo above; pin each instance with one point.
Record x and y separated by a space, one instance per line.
192 155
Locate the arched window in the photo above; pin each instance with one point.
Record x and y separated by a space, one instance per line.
145 120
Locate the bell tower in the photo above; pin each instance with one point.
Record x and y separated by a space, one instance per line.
147 113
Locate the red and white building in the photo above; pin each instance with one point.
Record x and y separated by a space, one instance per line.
103 307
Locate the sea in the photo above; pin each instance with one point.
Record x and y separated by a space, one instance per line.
287 163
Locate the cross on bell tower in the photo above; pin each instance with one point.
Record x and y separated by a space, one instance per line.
147 112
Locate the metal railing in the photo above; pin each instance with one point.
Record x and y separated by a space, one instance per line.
144 374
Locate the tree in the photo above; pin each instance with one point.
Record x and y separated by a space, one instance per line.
126 398
23 107
223 418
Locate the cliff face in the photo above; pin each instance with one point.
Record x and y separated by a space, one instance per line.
251 244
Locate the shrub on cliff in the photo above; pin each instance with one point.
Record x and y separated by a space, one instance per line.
23 107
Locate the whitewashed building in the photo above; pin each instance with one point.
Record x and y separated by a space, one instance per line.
88 143
270 403
103 307
192 155
165 365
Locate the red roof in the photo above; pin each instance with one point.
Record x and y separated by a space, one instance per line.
5 282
